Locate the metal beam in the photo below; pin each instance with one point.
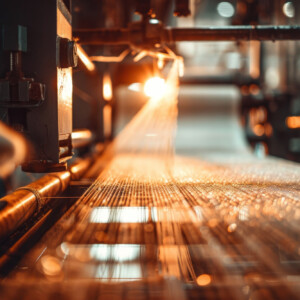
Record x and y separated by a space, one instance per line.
202 34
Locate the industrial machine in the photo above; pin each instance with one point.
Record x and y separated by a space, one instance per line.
95 202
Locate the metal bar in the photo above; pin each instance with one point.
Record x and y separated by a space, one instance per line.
82 138
19 206
236 33
218 80
171 35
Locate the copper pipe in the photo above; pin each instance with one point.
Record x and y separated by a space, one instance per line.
77 170
19 206
82 138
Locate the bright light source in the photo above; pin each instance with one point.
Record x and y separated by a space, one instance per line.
225 9
107 87
155 87
160 63
289 9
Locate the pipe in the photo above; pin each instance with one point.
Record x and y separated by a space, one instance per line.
134 36
236 33
13 150
81 138
22 204
237 80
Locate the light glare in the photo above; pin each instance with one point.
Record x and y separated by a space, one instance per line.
155 87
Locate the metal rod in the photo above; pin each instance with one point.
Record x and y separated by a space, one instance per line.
82 138
171 35
19 206
237 33
237 80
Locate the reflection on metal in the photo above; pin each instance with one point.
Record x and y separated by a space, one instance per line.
19 206
119 273
107 119
85 59
107 87
117 253
81 138
119 215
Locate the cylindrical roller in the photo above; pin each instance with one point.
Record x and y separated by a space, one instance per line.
19 206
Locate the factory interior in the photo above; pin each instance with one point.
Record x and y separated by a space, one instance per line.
150 149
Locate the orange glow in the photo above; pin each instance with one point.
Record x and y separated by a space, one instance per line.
155 87
259 129
85 58
268 129
203 279
107 87
107 120
293 122
82 134
254 89
231 227
51 265
19 152
160 62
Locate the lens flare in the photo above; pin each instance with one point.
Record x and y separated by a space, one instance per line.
155 87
